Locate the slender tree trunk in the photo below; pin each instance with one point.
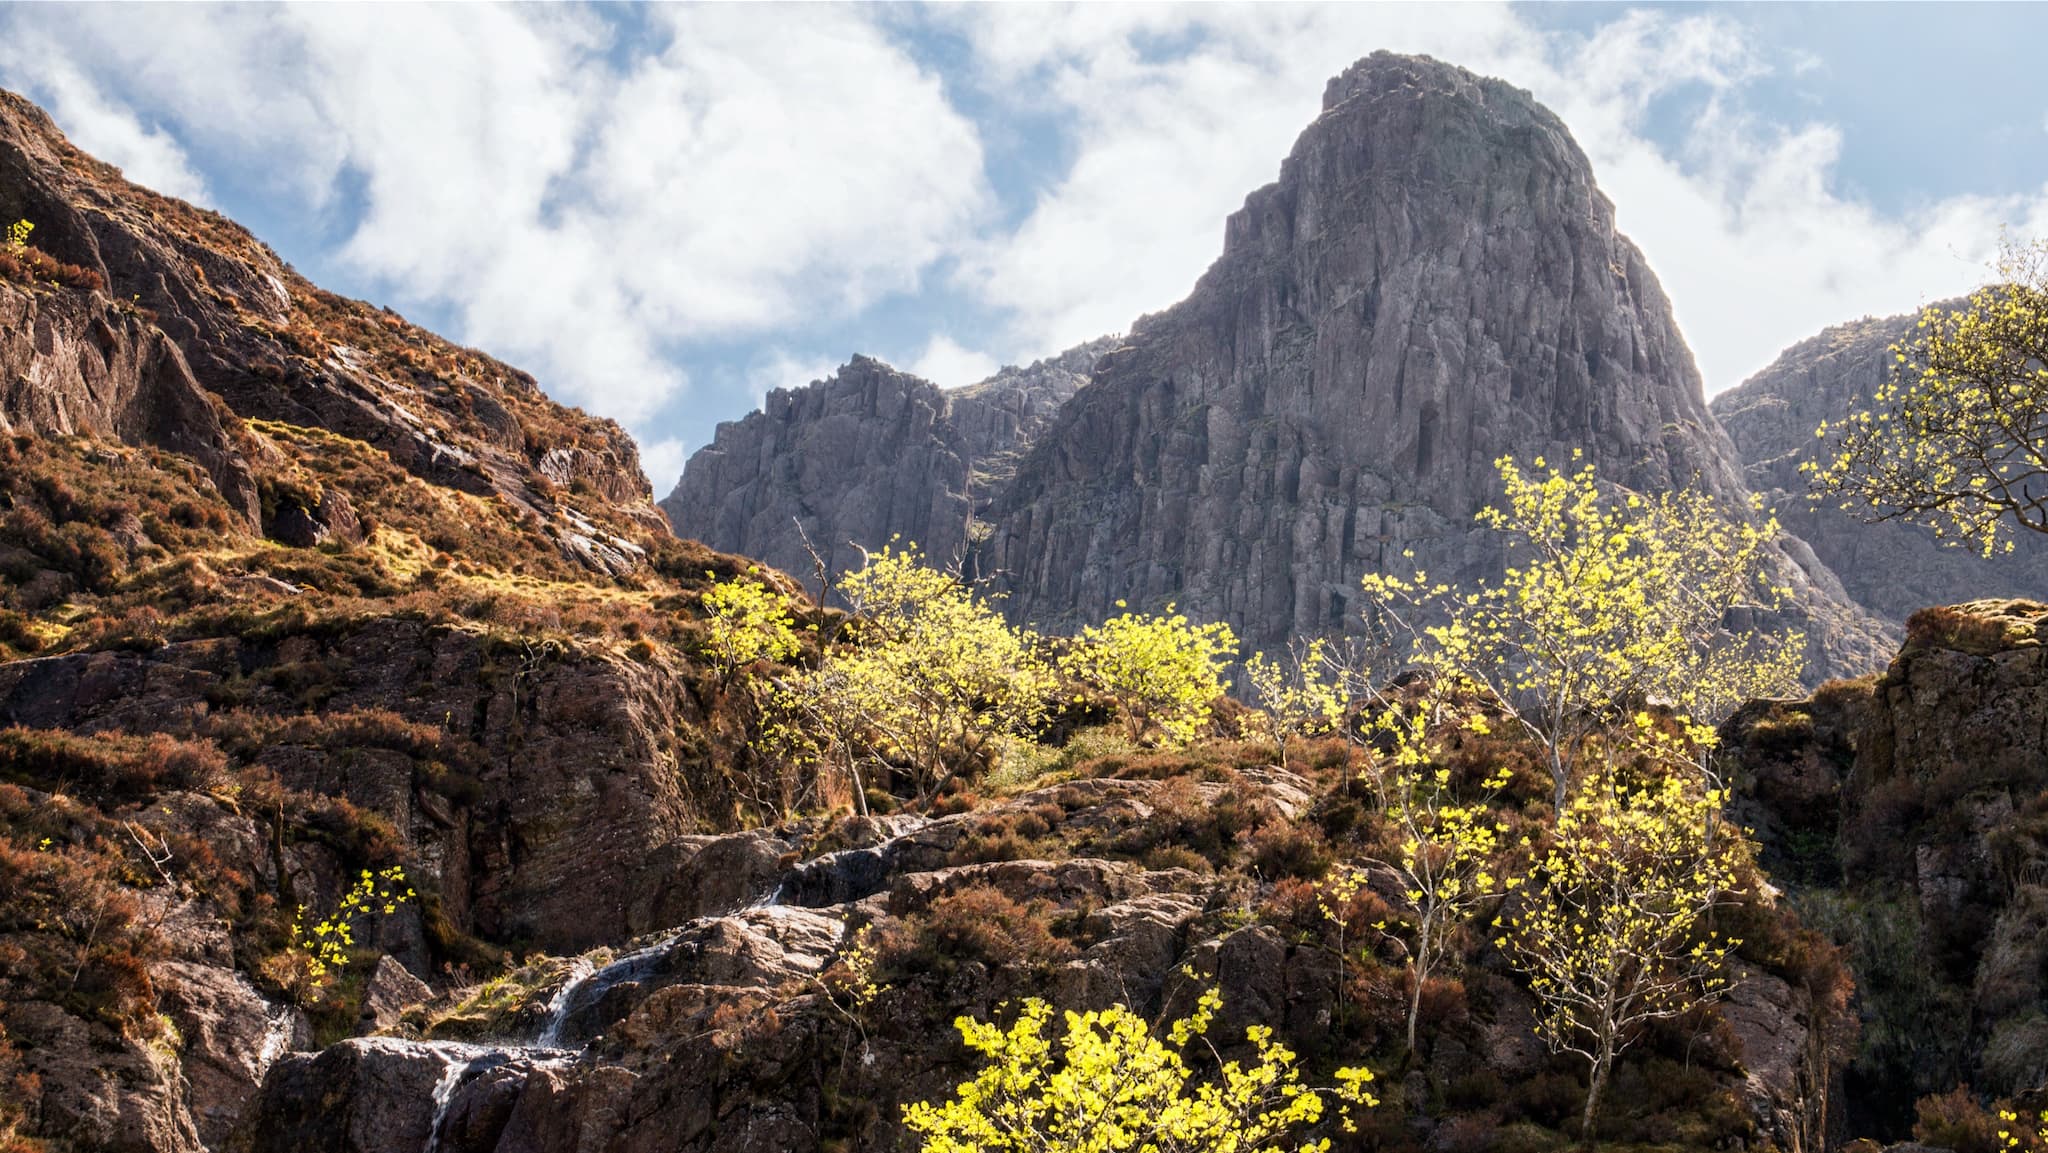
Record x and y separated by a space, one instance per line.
1421 975
1601 1067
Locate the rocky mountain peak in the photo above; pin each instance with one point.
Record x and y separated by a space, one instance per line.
1434 281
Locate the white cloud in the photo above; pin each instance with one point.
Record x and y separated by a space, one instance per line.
947 364
1742 224
595 210
661 460
780 368
111 132
740 171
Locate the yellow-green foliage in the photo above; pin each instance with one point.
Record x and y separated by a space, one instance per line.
1603 601
1957 438
748 623
2015 1135
933 675
1108 1086
1447 846
328 943
1161 671
17 236
1612 928
1303 697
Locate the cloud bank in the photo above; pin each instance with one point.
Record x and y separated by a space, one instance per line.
665 211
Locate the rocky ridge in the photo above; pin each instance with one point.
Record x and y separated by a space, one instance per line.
1892 569
866 455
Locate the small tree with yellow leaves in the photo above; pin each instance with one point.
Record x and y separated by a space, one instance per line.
747 623
328 943
1613 927
1108 1085
1448 846
1957 438
1299 698
1161 671
933 673
1606 603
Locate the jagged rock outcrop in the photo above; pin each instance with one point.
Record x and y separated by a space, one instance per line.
1913 809
78 364
1000 417
577 775
847 462
1892 569
865 455
1434 281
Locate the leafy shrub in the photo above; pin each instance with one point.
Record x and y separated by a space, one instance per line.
1954 1120
25 264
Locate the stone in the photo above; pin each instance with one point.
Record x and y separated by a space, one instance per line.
231 1037
865 456
390 991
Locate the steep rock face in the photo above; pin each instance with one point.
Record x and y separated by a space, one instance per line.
846 462
864 455
1434 281
579 769
1000 417
1891 569
77 364
1911 811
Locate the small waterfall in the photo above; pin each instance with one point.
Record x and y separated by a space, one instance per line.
769 901
461 1058
558 1005
585 990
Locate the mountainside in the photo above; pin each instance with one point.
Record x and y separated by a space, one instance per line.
1433 282
1891 569
292 589
867 454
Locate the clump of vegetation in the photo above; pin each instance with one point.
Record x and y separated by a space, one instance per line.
933 678
1108 1085
977 923
1161 671
26 264
328 943
748 624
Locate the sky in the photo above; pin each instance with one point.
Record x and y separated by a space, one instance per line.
663 212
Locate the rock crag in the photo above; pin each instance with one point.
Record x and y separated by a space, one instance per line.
1433 282
865 455
1908 813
